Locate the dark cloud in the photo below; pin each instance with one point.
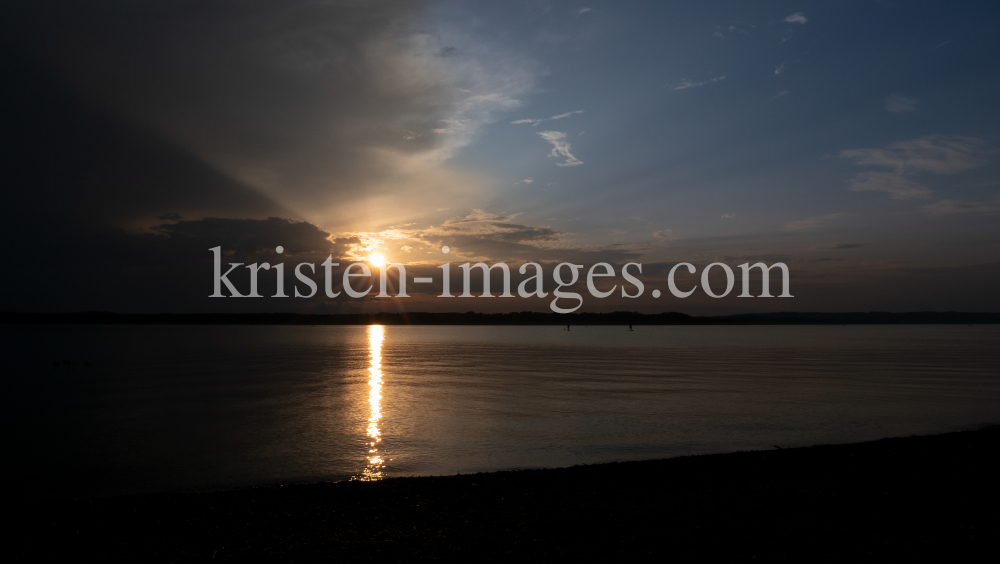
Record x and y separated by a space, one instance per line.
983 273
514 233
83 166
168 269
848 245
230 121
511 232
768 258
314 105
255 235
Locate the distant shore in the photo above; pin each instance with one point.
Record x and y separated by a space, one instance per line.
900 499
515 318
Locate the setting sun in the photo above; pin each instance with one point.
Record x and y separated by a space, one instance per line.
376 259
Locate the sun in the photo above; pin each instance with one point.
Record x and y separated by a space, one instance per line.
376 259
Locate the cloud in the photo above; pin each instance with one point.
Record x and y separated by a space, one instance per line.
946 154
514 232
943 154
329 109
812 223
779 69
583 11
797 17
479 215
843 246
251 236
534 122
779 95
665 235
494 237
898 187
560 148
961 206
900 105
728 215
567 114
526 181
684 84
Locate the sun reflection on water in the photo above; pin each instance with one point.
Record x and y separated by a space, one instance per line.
373 471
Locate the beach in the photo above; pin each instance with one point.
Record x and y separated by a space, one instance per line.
895 499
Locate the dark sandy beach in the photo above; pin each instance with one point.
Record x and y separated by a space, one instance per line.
889 500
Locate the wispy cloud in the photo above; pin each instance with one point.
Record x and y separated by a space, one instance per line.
583 11
900 105
811 223
779 94
797 17
962 206
560 147
665 235
684 84
484 235
898 186
779 69
477 215
728 215
935 153
534 122
944 154
526 181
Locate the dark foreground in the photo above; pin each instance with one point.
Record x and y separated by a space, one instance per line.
889 500
514 318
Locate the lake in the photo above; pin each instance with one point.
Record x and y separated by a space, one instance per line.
181 408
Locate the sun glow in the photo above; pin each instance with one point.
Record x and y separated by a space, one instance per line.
376 259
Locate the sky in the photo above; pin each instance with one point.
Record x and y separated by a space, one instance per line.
856 142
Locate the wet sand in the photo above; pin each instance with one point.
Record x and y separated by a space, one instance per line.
882 501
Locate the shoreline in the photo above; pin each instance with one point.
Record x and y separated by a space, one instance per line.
885 500
523 318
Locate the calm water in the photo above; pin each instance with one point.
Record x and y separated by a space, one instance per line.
166 408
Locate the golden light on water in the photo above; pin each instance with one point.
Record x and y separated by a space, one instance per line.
375 462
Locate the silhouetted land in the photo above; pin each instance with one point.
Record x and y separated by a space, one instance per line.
516 318
892 500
